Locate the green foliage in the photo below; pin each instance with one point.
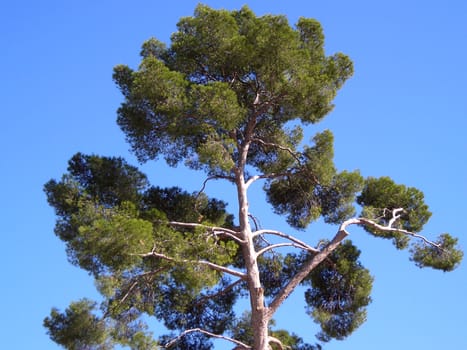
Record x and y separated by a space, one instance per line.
445 256
110 216
380 196
340 291
315 189
78 328
193 99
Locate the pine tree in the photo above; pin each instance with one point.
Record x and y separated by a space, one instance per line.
229 97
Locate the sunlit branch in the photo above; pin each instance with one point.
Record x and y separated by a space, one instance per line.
218 336
265 176
276 341
299 243
395 216
370 223
199 262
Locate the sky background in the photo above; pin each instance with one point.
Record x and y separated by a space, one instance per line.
403 115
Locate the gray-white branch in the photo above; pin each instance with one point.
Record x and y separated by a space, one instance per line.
299 243
200 330
198 262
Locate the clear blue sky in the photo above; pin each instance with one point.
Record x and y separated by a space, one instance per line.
403 114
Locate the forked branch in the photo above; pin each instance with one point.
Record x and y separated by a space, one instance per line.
331 246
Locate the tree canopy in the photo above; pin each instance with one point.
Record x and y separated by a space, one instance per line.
229 97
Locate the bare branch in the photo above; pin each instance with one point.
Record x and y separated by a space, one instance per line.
370 223
213 177
213 229
278 245
199 262
275 145
221 292
395 216
218 336
265 176
300 244
255 221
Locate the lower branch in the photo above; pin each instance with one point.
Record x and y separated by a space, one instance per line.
305 270
213 229
199 262
218 336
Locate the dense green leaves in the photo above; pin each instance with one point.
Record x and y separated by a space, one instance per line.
111 220
78 328
193 100
315 189
444 256
340 291
381 196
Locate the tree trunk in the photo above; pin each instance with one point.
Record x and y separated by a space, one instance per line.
259 313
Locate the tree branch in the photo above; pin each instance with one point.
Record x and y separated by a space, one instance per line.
331 246
278 245
275 145
200 262
306 269
221 292
265 176
368 222
218 336
300 244
213 177
274 340
214 229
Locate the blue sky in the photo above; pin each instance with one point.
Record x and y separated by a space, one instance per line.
403 114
